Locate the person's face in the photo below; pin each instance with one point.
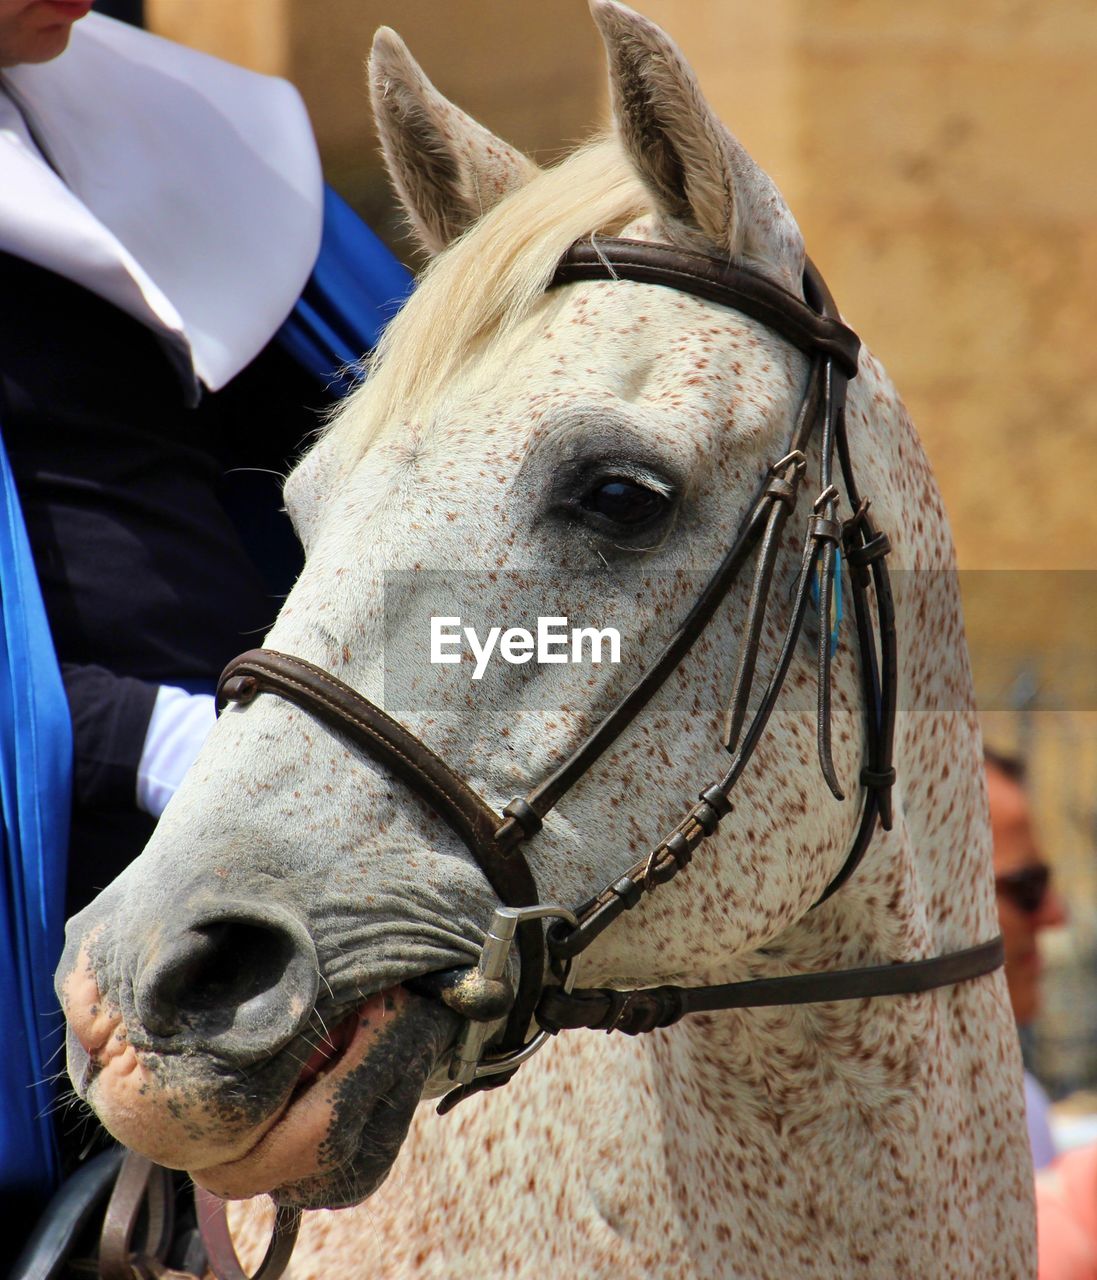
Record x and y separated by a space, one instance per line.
1016 849
37 30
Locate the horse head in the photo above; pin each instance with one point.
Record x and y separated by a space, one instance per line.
247 1000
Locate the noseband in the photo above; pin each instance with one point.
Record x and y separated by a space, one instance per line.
496 841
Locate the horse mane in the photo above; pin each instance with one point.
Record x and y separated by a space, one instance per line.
486 282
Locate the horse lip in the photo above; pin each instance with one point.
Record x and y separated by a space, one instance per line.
313 1076
284 1151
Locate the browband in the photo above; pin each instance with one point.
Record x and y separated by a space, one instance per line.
716 281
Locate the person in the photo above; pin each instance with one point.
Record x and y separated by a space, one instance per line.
1028 903
180 298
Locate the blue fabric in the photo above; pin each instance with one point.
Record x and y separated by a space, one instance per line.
35 783
356 286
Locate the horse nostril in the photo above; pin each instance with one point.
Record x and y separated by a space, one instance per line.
224 965
237 984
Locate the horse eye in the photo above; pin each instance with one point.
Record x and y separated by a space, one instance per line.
624 502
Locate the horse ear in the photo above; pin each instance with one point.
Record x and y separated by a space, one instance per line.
699 174
447 169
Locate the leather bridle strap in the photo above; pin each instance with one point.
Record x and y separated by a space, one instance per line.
635 1012
819 335
224 1263
387 741
816 329
495 841
142 1194
716 280
337 705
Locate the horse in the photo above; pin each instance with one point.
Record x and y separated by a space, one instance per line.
273 995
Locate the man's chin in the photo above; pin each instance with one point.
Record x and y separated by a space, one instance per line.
45 46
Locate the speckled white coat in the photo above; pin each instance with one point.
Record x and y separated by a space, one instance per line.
876 1139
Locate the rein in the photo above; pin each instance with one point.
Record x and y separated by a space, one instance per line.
496 840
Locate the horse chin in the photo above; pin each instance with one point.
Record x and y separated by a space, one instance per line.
334 1140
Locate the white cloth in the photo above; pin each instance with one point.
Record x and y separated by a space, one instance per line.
1038 1116
187 191
177 729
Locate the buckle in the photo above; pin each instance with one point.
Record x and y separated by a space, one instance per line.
469 1061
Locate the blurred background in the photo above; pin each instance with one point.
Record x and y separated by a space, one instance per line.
942 162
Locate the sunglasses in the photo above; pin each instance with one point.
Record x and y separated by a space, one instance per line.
1027 889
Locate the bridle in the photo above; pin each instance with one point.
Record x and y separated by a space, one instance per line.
496 841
